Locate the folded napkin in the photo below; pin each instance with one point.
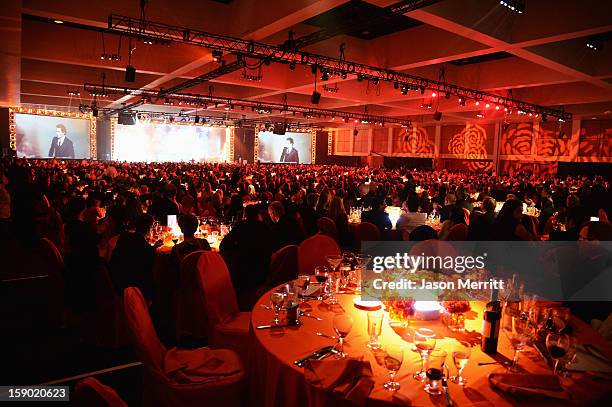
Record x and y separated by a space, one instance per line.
523 384
604 327
348 379
200 366
590 358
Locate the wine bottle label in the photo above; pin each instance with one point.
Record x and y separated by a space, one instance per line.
488 329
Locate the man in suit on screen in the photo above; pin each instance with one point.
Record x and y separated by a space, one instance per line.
61 146
290 154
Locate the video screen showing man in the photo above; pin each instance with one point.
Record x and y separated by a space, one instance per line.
290 154
61 146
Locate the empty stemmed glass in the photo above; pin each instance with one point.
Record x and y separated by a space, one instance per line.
342 325
362 262
334 261
520 332
277 299
461 356
425 342
557 345
393 359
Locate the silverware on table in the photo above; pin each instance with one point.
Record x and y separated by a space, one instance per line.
306 314
449 402
276 326
487 363
325 335
318 354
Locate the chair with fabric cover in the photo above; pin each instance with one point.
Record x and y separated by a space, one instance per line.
105 327
366 232
466 215
327 227
474 215
312 252
178 377
227 327
458 232
191 318
54 266
89 392
283 266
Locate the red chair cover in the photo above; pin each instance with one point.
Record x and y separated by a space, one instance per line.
228 327
90 392
457 232
106 327
312 252
466 216
283 266
327 227
366 232
54 266
181 377
191 319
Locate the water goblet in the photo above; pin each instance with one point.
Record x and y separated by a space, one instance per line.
520 332
461 356
277 299
393 359
425 342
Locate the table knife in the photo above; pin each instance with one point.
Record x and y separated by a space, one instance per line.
449 402
276 326
314 355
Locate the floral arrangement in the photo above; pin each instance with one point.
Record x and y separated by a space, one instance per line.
400 310
456 307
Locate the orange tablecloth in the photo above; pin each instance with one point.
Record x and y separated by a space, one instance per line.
276 381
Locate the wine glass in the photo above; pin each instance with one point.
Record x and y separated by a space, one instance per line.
393 359
342 325
557 345
425 342
375 321
461 356
322 275
435 371
520 332
334 260
570 357
362 262
277 299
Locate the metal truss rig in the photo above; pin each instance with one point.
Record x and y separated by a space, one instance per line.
148 30
206 101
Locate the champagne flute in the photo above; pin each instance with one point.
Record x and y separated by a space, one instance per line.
393 359
375 321
557 345
342 325
277 299
461 356
425 342
435 371
519 332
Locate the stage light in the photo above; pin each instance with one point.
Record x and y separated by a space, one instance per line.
376 81
292 65
434 94
593 44
437 116
514 5
422 90
359 78
315 98
496 107
58 21
487 106
343 75
447 95
479 115
324 76
167 102
461 102
505 109
477 103
404 90
356 120
217 55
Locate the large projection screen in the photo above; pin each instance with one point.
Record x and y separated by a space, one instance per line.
290 148
152 142
47 136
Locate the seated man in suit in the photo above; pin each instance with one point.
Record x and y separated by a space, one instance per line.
290 154
61 146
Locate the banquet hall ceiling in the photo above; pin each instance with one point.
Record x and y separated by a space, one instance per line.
540 56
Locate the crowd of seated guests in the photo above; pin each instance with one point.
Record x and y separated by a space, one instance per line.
99 214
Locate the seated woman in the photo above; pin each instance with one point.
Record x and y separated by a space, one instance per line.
189 226
456 217
508 225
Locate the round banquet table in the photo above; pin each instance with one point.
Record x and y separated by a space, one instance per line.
276 381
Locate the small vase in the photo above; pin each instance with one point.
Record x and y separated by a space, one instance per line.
455 321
